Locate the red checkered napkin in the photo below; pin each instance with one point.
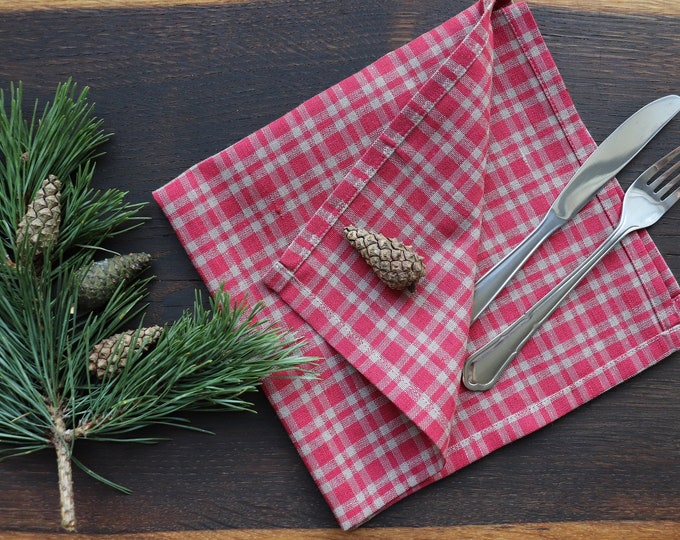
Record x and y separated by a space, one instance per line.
456 143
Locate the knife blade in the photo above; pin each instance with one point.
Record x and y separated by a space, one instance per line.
612 155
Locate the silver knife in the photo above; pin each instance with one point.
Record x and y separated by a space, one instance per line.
609 158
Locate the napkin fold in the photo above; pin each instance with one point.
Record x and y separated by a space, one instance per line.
456 143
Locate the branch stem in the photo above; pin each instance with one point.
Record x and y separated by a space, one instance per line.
62 444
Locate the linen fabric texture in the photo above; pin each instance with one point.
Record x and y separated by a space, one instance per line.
456 143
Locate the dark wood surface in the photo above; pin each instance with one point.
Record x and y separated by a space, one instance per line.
176 84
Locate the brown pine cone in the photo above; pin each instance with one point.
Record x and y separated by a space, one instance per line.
40 224
397 265
110 355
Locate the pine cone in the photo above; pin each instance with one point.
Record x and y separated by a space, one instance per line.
103 277
40 225
110 355
398 266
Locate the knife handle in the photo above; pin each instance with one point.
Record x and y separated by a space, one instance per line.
484 367
488 287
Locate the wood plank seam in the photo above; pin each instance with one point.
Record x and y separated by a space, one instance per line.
624 7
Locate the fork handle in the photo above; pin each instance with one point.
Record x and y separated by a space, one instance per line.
489 285
484 367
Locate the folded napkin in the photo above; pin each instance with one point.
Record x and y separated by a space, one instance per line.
456 143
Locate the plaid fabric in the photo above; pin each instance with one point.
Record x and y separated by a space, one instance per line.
456 143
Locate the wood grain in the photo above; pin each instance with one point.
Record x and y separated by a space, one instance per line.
633 7
180 83
630 7
637 530
42 5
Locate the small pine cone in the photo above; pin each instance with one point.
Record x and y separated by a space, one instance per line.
103 277
40 225
398 266
110 355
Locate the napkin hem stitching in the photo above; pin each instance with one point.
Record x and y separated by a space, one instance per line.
560 113
532 408
403 382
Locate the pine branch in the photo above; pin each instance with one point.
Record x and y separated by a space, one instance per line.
64 137
55 331
206 360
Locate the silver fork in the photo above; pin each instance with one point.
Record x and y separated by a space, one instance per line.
647 199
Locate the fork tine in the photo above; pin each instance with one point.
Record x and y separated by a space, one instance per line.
671 188
662 180
665 181
652 177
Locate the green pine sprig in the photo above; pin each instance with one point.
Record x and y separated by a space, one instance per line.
59 141
210 358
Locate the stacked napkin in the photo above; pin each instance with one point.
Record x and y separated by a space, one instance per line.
456 143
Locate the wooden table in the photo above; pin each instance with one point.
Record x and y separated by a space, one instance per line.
177 81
